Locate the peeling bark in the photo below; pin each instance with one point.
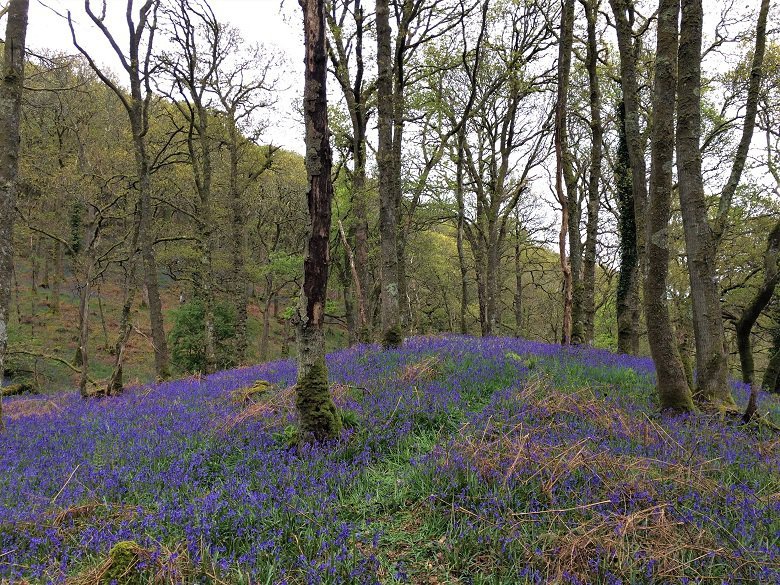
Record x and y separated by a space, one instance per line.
319 418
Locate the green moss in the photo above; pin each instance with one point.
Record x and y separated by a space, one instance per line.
251 393
121 566
320 418
392 338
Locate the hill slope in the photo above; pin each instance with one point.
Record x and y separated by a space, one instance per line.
465 461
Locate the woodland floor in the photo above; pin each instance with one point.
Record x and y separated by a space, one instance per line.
463 461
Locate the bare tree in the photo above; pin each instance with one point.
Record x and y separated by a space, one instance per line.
138 66
11 85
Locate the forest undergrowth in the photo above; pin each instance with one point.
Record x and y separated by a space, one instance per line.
463 460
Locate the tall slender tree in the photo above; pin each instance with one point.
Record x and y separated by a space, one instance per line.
563 172
630 48
673 390
319 418
11 84
700 240
594 173
388 209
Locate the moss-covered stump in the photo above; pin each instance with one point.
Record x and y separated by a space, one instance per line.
319 417
253 393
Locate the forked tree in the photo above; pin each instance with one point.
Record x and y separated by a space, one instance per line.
137 64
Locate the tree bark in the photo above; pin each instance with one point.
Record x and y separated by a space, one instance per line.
518 301
672 387
700 241
388 207
319 418
238 225
11 86
56 282
627 298
355 96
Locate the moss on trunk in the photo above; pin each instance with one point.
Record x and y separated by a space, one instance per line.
320 419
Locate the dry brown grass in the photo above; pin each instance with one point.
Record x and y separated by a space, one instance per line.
87 511
425 370
576 536
24 407
652 532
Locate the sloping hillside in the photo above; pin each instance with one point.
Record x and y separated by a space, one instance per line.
464 461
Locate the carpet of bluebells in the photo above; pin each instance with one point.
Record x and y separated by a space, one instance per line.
463 461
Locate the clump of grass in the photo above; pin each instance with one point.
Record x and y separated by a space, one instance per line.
128 563
425 370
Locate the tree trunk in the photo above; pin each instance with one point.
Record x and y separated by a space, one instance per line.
757 304
388 209
116 381
266 334
594 177
627 298
629 47
11 84
771 380
562 164
673 390
700 242
319 417
237 224
349 259
518 304
54 302
359 209
150 264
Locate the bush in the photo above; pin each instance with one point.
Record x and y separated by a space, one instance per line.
186 338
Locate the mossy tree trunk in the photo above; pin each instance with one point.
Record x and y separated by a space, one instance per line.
388 210
627 302
11 84
673 390
318 415
632 266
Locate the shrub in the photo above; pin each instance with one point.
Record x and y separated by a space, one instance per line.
187 342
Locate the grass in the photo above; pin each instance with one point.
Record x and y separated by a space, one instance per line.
472 461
